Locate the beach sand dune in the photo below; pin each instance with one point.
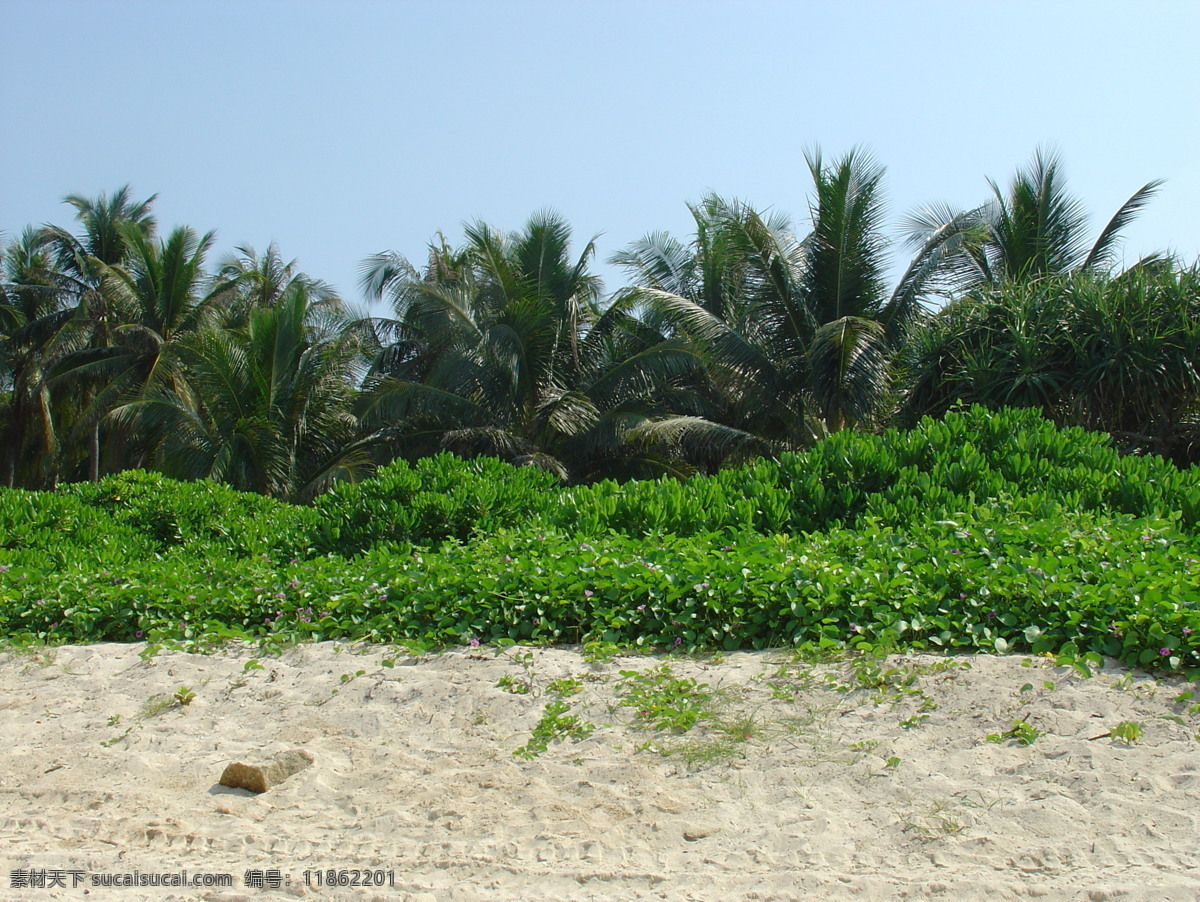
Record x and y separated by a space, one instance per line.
870 780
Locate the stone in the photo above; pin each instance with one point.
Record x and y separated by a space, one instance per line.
692 834
261 777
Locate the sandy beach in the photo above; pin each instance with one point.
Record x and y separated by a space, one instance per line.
836 780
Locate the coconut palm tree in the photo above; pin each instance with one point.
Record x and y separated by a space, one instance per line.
501 347
797 334
266 407
156 298
246 280
1034 229
33 314
85 278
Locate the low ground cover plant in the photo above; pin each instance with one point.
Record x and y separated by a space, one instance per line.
984 531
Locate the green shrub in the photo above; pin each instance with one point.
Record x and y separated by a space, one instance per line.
981 532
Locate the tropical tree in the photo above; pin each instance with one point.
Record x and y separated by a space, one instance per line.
797 334
266 407
1119 354
246 280
156 298
501 347
84 276
32 316
1034 229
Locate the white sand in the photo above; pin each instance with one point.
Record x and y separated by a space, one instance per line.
414 774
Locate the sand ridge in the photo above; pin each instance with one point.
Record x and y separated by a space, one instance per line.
838 780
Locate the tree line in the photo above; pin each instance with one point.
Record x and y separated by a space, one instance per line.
121 348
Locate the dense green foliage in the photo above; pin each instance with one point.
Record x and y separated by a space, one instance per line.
755 336
981 531
1120 355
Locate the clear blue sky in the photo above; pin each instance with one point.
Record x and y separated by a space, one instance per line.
339 129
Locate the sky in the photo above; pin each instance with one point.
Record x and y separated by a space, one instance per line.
342 129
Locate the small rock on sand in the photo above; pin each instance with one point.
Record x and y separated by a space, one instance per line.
261 777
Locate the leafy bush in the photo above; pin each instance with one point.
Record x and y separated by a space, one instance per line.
441 497
980 532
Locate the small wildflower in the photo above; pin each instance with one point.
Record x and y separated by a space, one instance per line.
191 598
1164 652
676 623
474 643
382 596
678 642
3 568
280 596
295 584
855 628
138 634
642 607
1187 630
962 595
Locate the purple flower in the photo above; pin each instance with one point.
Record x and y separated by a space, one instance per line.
474 643
1187 630
382 596
295 584
3 568
676 623
678 642
641 607
1164 652
588 593
138 634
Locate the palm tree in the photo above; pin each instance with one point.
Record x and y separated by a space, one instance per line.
797 334
1034 229
266 407
501 348
32 316
246 280
85 277
156 299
